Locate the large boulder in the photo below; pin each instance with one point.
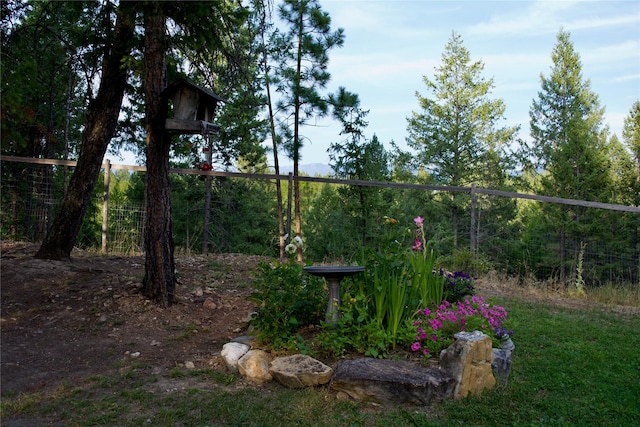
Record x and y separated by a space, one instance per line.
255 366
468 360
300 371
391 381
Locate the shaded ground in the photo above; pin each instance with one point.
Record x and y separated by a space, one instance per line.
65 321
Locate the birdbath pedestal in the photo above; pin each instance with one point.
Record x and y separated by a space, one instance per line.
334 275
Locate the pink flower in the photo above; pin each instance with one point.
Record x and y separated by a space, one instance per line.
415 346
417 246
434 337
418 220
435 324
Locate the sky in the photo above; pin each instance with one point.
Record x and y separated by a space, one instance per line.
390 45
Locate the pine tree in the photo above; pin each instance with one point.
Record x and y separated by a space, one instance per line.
569 146
303 59
631 135
360 159
456 131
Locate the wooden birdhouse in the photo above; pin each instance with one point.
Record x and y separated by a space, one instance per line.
193 109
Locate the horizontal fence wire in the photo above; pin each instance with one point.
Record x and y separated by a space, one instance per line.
33 188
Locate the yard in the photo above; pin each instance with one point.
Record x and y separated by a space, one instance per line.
81 346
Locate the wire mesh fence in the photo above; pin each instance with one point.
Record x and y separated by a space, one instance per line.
492 234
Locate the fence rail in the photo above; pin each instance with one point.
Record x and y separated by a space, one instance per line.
123 224
385 184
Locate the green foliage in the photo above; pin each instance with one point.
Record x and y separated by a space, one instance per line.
465 260
570 144
287 299
356 330
427 286
379 304
455 130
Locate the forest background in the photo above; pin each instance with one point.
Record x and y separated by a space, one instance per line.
274 81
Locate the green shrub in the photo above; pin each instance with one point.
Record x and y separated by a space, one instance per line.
287 299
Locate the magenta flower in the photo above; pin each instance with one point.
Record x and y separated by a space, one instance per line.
415 346
436 328
417 246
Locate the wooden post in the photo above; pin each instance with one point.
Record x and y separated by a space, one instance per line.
207 200
105 204
289 191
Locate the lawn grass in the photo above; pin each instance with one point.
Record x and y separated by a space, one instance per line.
571 367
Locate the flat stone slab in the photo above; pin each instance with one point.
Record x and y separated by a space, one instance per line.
392 381
300 371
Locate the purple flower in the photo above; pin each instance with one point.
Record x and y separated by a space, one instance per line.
415 346
503 333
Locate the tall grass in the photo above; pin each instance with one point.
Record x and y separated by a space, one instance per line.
570 367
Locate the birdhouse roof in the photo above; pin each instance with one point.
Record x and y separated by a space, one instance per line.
170 90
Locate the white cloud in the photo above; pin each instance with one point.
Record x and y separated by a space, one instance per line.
543 17
379 68
606 54
626 78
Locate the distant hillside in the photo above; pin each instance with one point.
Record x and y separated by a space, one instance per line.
311 169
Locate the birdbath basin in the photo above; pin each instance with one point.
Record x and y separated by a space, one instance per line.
334 275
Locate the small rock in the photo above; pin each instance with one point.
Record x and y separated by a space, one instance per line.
231 353
189 365
255 366
198 292
501 366
244 339
135 354
102 318
210 304
155 343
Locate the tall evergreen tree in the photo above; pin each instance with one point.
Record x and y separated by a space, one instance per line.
302 72
457 129
357 158
569 145
631 136
100 124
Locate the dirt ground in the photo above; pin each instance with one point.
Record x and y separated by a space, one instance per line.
64 321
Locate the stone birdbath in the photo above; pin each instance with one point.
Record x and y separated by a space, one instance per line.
334 275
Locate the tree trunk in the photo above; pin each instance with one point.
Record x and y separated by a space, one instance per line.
100 124
296 143
274 140
159 278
